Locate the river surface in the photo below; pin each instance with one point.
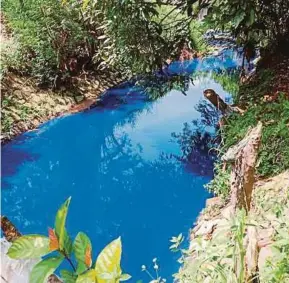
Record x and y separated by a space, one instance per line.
127 164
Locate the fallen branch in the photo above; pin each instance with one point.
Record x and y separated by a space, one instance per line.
10 232
220 104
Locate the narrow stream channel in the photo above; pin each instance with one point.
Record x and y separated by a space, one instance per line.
124 164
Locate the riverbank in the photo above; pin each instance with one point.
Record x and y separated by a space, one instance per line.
25 105
232 242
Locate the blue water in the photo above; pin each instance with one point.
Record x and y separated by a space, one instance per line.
126 173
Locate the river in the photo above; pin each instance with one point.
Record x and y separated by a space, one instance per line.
128 164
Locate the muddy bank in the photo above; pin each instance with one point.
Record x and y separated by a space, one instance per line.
25 105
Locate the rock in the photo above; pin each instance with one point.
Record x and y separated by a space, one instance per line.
265 237
206 227
214 201
264 254
15 271
227 212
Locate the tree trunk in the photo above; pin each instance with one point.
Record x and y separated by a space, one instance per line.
243 157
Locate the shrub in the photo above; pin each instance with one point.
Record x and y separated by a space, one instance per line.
274 150
105 269
220 185
222 259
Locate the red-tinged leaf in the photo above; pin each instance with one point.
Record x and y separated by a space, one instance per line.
53 241
88 260
82 249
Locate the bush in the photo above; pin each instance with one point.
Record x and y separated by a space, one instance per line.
52 38
274 150
106 268
220 185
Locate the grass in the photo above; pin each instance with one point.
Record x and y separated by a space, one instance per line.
254 90
274 151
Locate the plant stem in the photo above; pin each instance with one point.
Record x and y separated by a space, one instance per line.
69 260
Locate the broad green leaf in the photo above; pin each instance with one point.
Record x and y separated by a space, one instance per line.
124 277
68 276
106 276
29 246
251 18
82 248
67 243
60 223
239 18
108 261
87 277
42 270
81 267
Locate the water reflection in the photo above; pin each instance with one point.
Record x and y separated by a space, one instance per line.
126 171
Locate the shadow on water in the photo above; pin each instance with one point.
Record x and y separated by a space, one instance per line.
134 168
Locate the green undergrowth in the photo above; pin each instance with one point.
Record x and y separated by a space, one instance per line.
254 90
274 151
197 29
273 157
221 258
220 185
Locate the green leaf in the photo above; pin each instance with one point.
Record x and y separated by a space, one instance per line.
87 277
81 245
124 277
239 18
81 267
106 276
44 269
60 224
67 243
251 18
108 261
29 246
68 276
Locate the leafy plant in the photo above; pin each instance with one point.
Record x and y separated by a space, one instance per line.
220 184
262 22
176 242
277 267
274 150
220 259
105 269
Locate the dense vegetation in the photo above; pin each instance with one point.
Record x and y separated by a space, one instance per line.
54 41
61 38
57 39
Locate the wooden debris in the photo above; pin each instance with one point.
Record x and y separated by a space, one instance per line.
217 101
10 232
244 155
220 104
